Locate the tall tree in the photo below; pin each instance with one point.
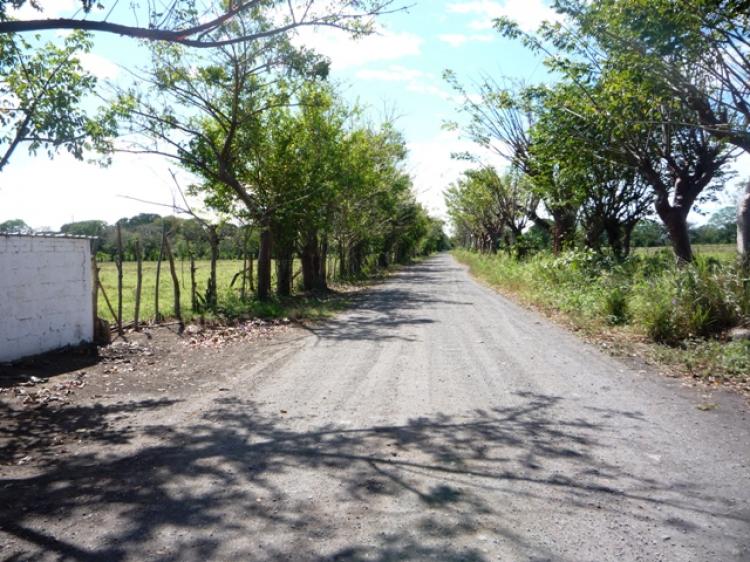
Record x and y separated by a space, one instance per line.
41 93
202 24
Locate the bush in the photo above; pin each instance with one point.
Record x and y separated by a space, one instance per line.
616 306
678 306
668 303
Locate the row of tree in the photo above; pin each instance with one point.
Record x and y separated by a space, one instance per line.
649 110
282 164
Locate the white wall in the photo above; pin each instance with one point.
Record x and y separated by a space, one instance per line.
45 294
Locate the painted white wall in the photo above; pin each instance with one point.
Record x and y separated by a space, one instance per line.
45 294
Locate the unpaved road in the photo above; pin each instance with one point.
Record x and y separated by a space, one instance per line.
435 421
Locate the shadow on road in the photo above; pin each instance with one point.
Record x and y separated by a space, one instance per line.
378 314
41 429
232 478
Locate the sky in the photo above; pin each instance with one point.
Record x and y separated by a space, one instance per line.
397 71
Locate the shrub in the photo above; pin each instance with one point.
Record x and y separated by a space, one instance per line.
616 307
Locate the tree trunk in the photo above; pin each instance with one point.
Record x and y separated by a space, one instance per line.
313 263
743 227
383 260
212 289
343 271
355 259
284 262
563 229
675 220
264 263
615 235
323 267
674 216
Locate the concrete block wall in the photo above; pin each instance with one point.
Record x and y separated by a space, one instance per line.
45 294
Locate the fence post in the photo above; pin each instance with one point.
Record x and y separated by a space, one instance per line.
138 282
175 284
119 280
157 316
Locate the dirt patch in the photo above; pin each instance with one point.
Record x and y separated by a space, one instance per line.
53 402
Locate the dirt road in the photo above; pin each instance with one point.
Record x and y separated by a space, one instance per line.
435 421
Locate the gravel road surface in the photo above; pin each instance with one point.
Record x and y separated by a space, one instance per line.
436 420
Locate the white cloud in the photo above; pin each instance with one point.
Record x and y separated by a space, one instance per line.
433 169
416 81
346 52
49 193
391 74
529 14
459 39
99 66
50 9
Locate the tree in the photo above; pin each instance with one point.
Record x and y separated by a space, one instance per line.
194 24
42 90
15 226
489 209
649 233
697 50
206 113
610 196
501 119
651 129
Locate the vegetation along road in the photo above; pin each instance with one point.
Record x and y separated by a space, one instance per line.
433 421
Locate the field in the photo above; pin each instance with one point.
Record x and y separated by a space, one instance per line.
226 271
721 252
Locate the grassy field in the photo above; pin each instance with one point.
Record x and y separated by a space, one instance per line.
229 298
721 252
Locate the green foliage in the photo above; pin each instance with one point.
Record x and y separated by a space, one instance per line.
699 300
688 308
43 89
616 308
670 304
15 226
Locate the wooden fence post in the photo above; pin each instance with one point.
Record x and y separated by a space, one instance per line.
175 284
118 263
138 282
157 316
193 286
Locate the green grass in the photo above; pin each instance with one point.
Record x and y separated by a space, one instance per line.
230 304
685 312
722 252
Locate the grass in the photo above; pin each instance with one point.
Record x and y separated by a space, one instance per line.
230 303
726 253
684 313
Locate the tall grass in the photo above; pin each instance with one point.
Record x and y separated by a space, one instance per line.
689 307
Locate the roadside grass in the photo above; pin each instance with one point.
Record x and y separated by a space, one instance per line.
682 314
726 253
230 304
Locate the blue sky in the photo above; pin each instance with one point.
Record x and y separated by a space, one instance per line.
397 71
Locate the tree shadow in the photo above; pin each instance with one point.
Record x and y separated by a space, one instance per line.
40 430
241 483
380 313
47 365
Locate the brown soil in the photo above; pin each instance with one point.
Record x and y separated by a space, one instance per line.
52 402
